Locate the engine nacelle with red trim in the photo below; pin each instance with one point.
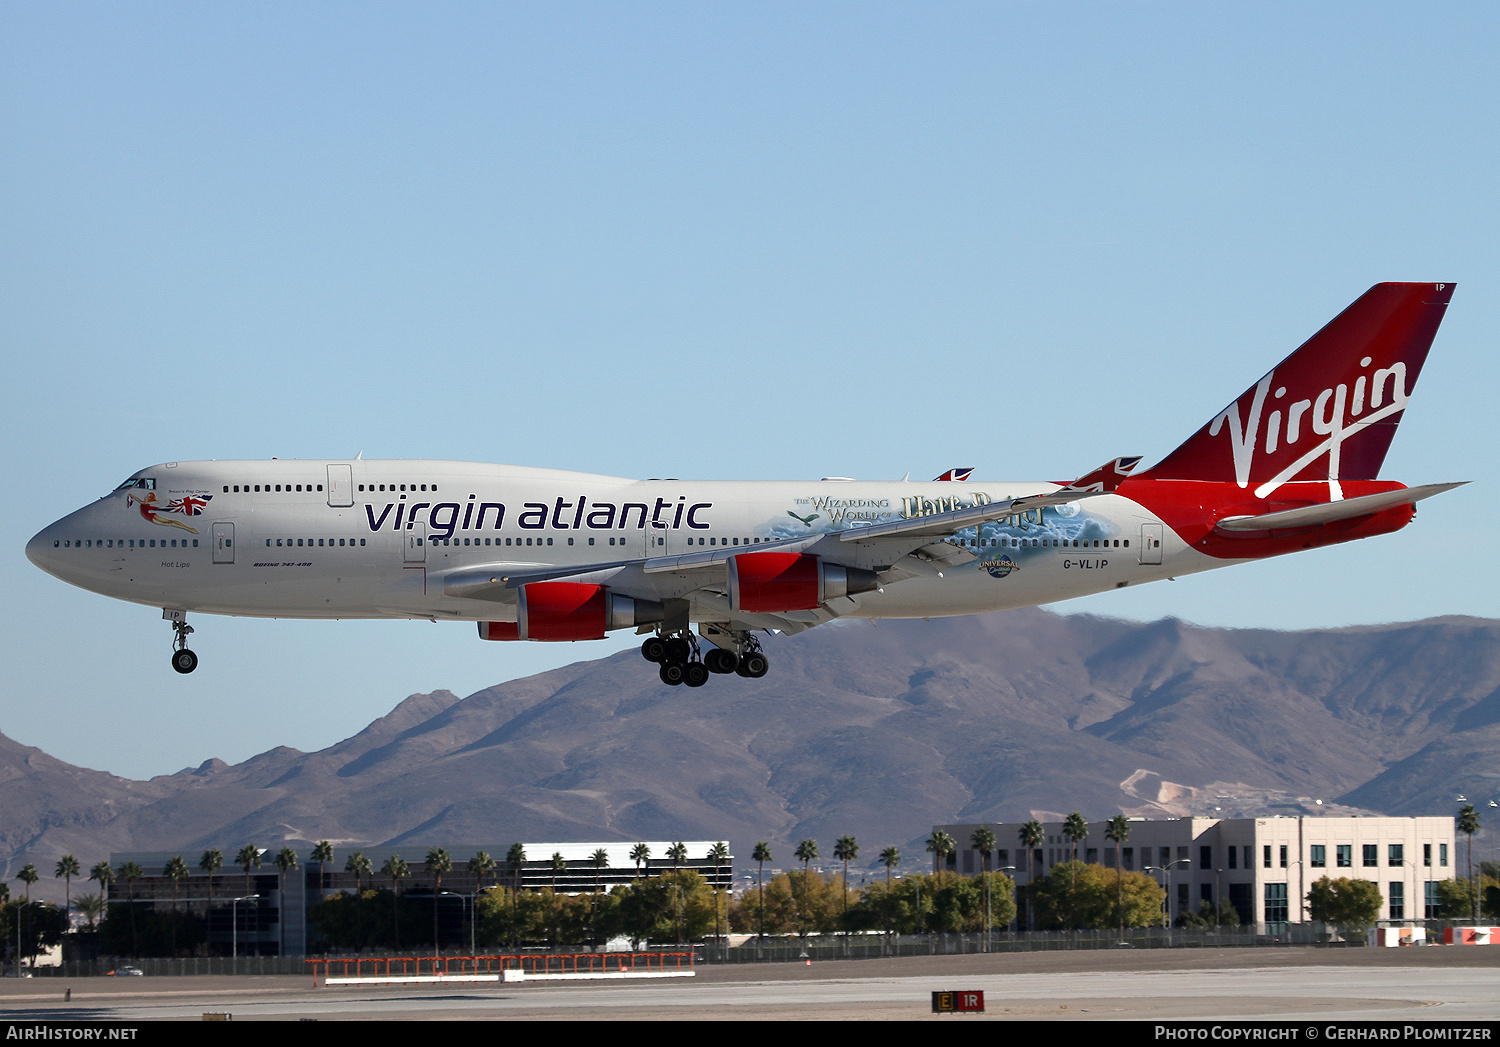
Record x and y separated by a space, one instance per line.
772 582
571 611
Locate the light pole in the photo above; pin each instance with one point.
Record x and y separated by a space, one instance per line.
1011 869
234 923
1168 870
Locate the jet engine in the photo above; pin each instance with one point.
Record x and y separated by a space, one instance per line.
571 611
771 582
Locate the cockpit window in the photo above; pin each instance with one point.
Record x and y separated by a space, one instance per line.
145 483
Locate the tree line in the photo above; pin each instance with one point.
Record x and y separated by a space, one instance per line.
679 904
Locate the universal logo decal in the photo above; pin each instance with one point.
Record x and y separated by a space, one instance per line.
1000 568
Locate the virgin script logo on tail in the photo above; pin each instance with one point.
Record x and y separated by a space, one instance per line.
1333 413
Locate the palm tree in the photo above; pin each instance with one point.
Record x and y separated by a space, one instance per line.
1030 836
105 874
438 862
286 860
890 858
761 855
939 845
248 858
131 872
322 854
1076 829
638 854
28 875
719 855
67 868
559 864
846 849
1468 824
515 858
176 870
1117 832
361 867
600 858
678 854
806 851
91 906
480 866
984 841
396 868
211 862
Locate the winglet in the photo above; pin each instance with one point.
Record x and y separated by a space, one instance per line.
955 474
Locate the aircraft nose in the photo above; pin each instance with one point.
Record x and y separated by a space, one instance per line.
42 549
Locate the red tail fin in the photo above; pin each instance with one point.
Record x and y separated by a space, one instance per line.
1328 411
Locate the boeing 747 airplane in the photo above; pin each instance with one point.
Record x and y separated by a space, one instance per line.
540 554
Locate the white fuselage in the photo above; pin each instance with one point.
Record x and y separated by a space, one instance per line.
377 539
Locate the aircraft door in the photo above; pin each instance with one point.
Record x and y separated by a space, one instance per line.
1151 536
223 543
340 485
415 549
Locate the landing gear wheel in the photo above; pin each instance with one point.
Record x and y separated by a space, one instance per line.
672 673
677 650
695 674
754 665
184 661
721 661
654 649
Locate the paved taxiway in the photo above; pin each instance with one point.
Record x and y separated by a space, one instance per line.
1292 984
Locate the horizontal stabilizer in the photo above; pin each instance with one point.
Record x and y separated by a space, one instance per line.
1330 512
1105 478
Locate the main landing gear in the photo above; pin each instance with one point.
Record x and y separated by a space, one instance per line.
183 660
679 661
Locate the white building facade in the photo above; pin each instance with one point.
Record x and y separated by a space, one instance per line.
1264 867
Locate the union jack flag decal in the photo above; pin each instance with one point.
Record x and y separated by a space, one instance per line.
192 505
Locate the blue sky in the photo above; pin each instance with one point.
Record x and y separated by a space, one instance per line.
761 241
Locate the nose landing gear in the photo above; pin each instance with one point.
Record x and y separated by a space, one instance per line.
183 660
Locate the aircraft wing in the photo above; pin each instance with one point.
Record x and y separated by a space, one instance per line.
943 525
881 544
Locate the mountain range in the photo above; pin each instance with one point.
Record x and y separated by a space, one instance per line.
878 732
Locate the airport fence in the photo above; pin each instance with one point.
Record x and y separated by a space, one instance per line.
739 949
783 949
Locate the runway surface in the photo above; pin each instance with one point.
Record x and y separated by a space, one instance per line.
1447 984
